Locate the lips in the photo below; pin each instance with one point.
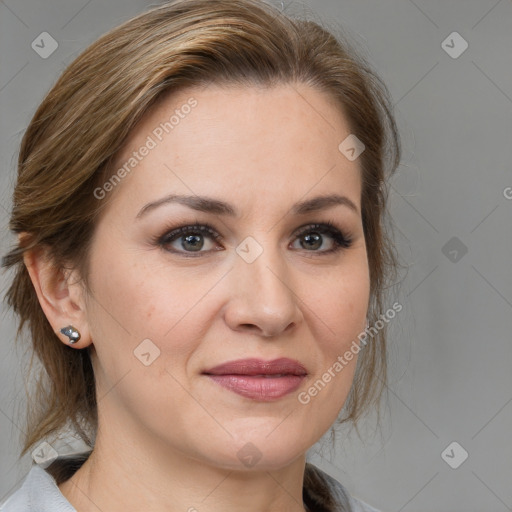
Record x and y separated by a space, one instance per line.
283 366
258 379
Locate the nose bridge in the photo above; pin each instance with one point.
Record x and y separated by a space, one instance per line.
269 277
264 294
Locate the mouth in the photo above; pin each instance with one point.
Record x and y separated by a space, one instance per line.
257 379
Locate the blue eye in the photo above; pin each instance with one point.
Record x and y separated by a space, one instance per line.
191 239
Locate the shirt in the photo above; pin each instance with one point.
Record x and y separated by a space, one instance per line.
39 493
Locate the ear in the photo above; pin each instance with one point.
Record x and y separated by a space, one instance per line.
60 295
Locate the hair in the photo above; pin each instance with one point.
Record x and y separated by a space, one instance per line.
71 142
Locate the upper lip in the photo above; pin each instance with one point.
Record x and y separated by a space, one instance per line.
282 366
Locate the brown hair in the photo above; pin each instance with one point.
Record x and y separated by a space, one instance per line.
80 126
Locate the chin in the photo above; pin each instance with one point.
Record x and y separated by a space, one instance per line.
259 451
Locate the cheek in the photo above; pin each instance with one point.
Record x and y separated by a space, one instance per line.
138 310
342 305
134 301
339 311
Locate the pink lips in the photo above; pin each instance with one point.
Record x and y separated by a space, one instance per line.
257 379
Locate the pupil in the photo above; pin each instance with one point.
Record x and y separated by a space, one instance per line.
315 239
195 240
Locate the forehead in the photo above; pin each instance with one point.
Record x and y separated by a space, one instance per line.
216 139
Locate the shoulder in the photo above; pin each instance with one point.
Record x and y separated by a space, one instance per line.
38 492
343 501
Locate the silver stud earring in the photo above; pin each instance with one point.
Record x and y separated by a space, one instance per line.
72 333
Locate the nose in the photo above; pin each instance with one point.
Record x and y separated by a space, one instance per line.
262 298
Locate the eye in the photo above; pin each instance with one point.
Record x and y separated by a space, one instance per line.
312 237
190 238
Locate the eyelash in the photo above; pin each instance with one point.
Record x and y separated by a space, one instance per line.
341 241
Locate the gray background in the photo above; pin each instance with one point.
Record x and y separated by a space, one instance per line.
450 347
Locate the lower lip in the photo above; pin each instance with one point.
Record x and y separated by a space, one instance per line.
263 389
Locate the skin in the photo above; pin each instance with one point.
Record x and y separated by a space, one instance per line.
168 436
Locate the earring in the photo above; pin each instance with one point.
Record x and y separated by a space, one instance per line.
72 333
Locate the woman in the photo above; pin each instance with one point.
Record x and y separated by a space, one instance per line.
201 261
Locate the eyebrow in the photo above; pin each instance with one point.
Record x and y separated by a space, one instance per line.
217 207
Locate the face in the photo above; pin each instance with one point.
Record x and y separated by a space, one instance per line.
241 264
